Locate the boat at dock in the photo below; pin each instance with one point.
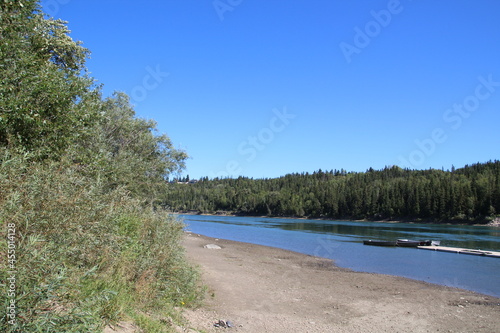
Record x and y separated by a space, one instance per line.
399 242
431 245
379 242
412 243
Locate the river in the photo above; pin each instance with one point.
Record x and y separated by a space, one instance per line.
341 241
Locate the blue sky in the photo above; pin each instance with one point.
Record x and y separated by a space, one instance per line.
263 88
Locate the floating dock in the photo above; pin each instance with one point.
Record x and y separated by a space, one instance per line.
461 250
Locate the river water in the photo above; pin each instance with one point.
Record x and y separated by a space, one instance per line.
342 241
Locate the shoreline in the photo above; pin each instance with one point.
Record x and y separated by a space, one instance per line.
494 223
265 289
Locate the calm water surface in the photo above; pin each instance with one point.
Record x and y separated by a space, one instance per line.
342 242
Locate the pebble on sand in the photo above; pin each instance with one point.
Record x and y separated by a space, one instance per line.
212 247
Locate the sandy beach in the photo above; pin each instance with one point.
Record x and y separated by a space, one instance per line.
264 289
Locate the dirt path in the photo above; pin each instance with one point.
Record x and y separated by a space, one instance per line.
263 289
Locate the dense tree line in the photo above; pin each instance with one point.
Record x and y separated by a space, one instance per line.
471 193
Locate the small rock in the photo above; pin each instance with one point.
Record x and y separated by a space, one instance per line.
220 323
229 323
212 247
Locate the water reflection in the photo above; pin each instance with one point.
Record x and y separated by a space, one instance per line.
474 237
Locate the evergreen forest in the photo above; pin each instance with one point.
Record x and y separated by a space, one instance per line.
466 195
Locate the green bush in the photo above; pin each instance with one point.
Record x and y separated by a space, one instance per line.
78 181
86 256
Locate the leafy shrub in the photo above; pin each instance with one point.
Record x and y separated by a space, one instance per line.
86 256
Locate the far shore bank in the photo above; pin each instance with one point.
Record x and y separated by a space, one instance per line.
264 289
494 223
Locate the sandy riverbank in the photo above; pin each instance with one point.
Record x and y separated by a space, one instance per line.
263 289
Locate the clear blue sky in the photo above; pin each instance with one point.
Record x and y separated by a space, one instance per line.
262 88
